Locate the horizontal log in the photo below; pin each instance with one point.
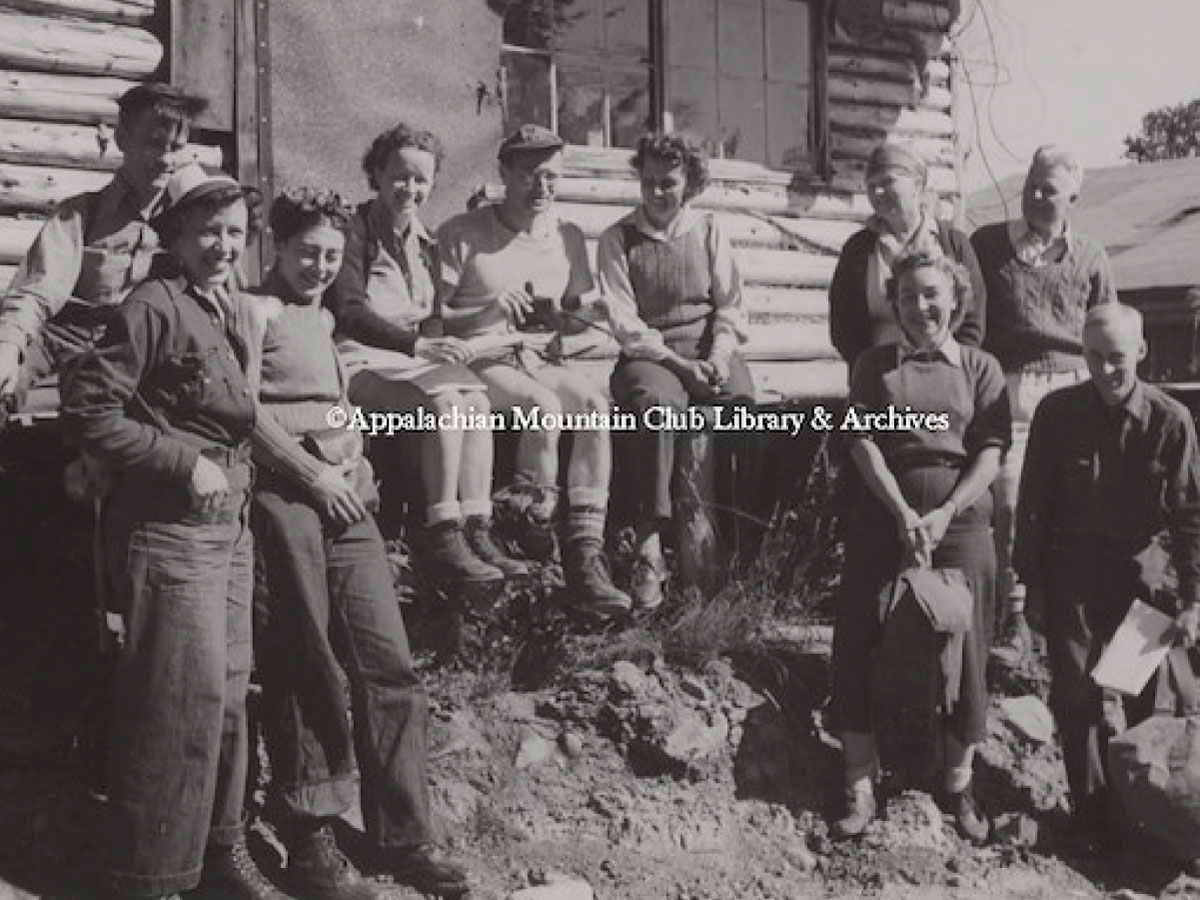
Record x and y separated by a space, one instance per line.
6 275
39 188
790 268
902 123
743 229
917 15
850 174
77 146
53 97
891 44
15 237
789 341
766 302
127 12
850 145
900 69
85 48
614 162
824 379
853 89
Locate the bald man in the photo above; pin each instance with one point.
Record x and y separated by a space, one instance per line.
1111 464
1041 279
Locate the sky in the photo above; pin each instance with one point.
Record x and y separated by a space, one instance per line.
1079 72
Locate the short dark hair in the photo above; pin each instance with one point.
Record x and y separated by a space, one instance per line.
396 138
297 210
678 151
169 104
169 224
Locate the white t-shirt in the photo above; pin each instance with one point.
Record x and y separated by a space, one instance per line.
481 256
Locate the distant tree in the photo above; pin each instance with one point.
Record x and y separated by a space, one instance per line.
1172 132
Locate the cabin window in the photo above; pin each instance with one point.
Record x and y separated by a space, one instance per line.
736 74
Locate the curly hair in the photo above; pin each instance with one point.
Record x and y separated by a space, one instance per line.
300 209
675 150
396 138
956 273
169 224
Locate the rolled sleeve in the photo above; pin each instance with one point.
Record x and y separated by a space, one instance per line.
101 389
637 339
46 278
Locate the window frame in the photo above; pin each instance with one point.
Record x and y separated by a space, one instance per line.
608 158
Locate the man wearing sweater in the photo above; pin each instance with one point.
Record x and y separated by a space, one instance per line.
1042 278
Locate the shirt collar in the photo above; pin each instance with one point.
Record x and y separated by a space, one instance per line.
382 225
1022 235
123 194
950 351
1136 405
685 220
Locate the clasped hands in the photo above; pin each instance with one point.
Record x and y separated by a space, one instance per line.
921 535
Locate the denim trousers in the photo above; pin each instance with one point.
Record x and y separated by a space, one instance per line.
179 736
330 617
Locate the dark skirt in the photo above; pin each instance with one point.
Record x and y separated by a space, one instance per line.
873 556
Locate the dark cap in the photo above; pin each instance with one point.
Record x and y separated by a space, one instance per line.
529 138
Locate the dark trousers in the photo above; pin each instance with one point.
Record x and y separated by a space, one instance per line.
639 385
1089 589
331 617
179 737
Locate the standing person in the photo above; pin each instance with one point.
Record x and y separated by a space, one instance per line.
163 400
1042 278
95 247
674 296
331 604
859 313
925 500
387 288
1111 463
491 257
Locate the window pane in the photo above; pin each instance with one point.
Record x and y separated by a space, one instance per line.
629 94
627 26
527 89
693 105
789 51
740 38
743 116
787 126
579 25
529 23
581 105
692 33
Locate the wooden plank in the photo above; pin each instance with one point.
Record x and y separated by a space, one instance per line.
918 15
790 268
47 96
816 379
797 340
902 123
15 237
77 146
855 89
614 162
850 174
899 69
203 57
39 188
85 48
850 145
126 12
770 301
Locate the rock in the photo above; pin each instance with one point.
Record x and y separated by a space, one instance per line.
537 876
1017 829
562 890
627 679
571 744
801 858
1028 717
533 750
693 739
515 707
694 687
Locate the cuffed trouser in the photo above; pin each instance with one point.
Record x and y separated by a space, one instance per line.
1088 590
179 740
639 385
332 609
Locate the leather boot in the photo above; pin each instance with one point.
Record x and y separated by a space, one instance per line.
426 870
318 870
231 874
860 810
589 584
478 532
446 556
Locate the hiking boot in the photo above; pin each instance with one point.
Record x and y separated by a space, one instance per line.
426 870
447 557
860 810
969 820
537 539
647 584
230 873
590 584
318 870
478 532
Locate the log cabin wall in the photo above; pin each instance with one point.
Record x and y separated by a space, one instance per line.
887 80
63 64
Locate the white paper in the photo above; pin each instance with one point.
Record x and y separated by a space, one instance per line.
1136 650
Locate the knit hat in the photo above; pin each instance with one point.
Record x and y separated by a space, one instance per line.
897 160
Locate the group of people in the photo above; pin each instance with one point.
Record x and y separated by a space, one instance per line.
1052 485
203 409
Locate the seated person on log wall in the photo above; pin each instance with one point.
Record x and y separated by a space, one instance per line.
96 247
331 603
674 295
385 302
495 261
